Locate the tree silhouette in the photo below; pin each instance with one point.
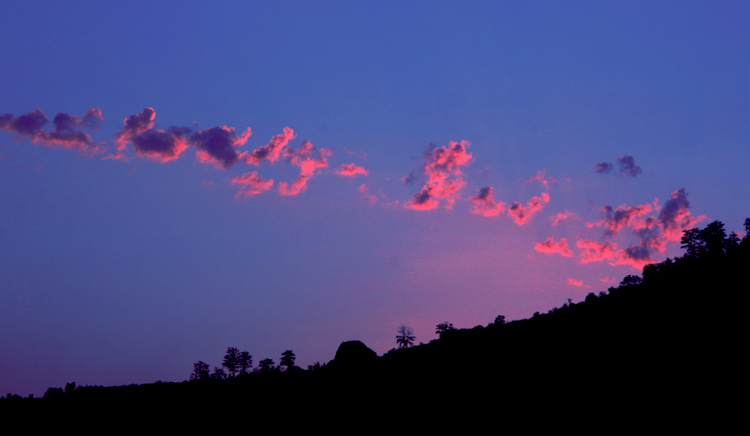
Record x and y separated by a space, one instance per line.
231 361
692 242
218 373
244 362
287 359
444 327
201 371
499 320
266 365
405 337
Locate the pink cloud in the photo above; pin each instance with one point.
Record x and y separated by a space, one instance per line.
541 177
251 184
302 158
551 247
653 232
365 193
351 170
66 133
561 216
675 217
441 166
521 214
485 203
593 251
621 217
271 151
574 282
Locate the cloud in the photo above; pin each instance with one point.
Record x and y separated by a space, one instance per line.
160 145
271 151
541 177
626 165
593 251
134 125
551 247
623 216
351 170
156 144
521 213
485 203
302 158
251 184
66 133
574 282
555 220
442 166
603 167
653 231
217 145
675 217
364 191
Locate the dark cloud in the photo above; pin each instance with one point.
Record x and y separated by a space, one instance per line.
66 132
626 165
218 145
603 167
162 145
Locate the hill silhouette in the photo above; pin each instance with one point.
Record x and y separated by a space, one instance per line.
661 351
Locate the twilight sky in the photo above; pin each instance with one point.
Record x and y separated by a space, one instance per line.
177 177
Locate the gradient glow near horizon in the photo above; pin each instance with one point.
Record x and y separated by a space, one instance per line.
178 178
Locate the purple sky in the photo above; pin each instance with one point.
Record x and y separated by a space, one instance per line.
408 163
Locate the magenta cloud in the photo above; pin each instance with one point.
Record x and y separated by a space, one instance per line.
551 247
251 184
272 151
485 203
653 231
303 158
442 166
521 214
351 170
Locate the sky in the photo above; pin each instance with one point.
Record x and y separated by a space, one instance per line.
177 178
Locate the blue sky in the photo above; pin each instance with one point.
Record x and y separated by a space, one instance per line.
118 271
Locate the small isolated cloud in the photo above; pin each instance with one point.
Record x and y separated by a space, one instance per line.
485 203
68 131
626 165
351 170
541 177
551 247
251 184
603 167
521 213
442 166
574 282
364 191
555 220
